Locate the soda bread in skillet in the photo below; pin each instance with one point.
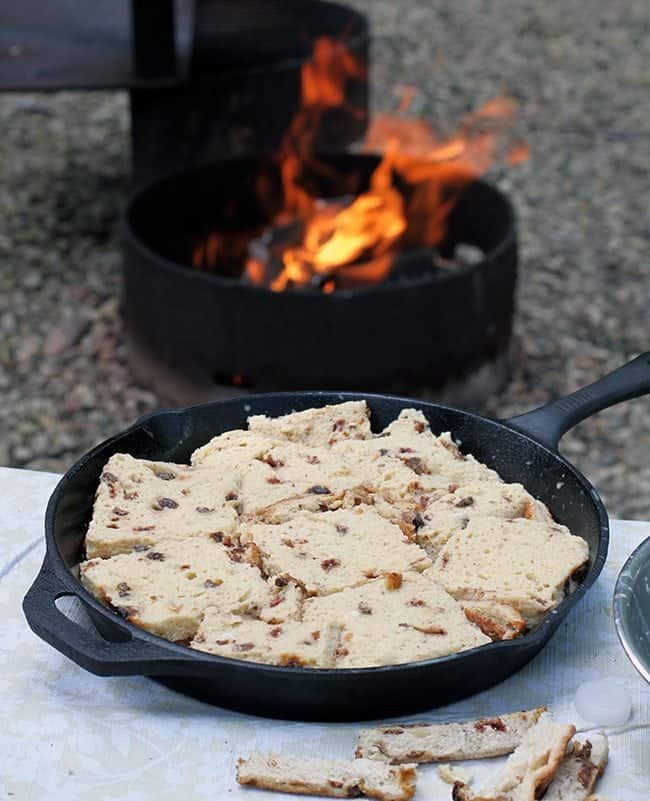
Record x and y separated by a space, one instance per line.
430 482
395 618
166 588
231 449
286 643
524 563
529 769
328 551
410 440
277 479
286 473
396 544
449 513
337 778
140 503
316 427
443 742
399 617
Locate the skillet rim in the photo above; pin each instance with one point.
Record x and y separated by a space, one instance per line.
533 640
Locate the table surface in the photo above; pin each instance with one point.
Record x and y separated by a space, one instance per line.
66 734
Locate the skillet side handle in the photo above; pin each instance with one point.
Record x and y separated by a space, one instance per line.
550 422
88 648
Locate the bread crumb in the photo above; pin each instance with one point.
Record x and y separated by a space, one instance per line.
452 774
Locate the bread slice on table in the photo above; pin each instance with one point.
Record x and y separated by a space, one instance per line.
140 503
287 643
529 769
443 742
400 617
337 778
167 587
329 551
579 770
316 427
524 563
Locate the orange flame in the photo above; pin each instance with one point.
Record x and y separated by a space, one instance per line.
409 196
333 239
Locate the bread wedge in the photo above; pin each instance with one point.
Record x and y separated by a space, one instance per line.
166 588
140 503
399 617
287 643
336 778
416 454
320 427
329 551
524 563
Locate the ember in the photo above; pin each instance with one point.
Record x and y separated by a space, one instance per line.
352 241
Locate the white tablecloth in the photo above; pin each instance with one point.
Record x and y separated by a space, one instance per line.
68 735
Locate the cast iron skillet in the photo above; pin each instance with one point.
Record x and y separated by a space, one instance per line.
522 449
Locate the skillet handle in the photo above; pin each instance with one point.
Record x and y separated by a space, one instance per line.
550 422
135 656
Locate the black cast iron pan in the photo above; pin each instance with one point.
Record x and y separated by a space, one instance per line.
522 449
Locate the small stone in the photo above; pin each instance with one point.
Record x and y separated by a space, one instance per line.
64 335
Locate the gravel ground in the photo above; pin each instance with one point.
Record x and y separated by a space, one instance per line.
581 72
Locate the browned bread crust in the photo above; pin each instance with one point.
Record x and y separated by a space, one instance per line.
333 778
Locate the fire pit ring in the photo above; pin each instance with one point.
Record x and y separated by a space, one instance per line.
191 332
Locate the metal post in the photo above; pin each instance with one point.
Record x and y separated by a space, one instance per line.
153 43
